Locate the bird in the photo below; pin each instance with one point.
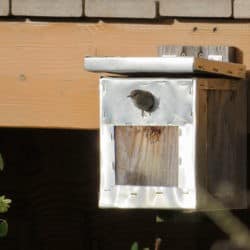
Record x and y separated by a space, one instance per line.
143 100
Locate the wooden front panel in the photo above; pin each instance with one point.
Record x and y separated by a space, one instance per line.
146 155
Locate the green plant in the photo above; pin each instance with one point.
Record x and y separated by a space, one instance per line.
134 246
4 206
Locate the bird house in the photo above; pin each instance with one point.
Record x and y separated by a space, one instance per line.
188 147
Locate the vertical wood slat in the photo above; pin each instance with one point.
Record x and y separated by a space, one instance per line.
147 155
201 143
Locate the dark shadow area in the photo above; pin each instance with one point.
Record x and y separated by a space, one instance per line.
157 20
248 102
52 178
87 20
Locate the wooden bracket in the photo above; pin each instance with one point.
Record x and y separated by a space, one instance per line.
215 67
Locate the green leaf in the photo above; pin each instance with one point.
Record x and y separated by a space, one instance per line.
159 219
3 228
1 163
135 246
4 204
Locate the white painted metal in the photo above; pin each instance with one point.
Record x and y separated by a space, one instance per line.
173 96
177 108
170 65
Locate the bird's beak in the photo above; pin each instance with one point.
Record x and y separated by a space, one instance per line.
129 96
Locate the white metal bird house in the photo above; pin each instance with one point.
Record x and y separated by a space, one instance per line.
191 146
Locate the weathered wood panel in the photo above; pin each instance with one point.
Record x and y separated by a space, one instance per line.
221 141
228 54
42 80
201 142
226 69
226 145
147 155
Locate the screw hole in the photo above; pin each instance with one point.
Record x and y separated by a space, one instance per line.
22 77
215 29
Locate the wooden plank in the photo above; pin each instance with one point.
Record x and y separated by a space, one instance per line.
147 155
221 142
215 67
42 80
218 84
201 144
226 145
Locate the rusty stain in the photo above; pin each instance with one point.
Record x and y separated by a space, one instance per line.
153 134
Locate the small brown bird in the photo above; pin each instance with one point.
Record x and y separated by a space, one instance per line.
143 100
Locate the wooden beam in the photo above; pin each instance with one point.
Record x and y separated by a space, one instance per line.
42 80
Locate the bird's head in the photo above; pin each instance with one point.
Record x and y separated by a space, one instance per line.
134 93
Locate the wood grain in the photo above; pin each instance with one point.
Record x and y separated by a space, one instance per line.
42 80
201 143
218 84
226 145
147 155
228 54
221 142
226 69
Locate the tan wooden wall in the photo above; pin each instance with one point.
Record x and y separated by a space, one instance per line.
42 80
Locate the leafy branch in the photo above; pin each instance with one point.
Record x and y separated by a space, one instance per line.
4 206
